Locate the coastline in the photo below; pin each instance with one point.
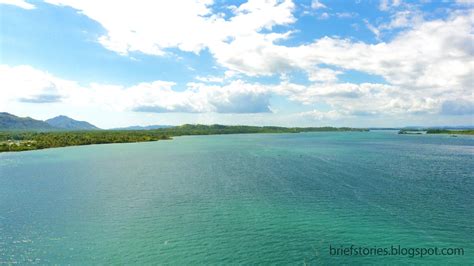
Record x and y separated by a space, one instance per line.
17 141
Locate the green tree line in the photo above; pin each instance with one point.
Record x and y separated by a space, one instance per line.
21 140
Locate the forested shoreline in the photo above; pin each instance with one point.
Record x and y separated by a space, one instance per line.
29 140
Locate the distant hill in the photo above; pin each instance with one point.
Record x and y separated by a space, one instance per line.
67 123
13 122
143 127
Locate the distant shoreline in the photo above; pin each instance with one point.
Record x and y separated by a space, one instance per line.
16 141
436 131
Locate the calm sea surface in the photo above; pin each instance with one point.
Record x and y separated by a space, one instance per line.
259 198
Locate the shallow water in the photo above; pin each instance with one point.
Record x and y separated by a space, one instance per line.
258 198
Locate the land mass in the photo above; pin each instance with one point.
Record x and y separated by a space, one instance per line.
449 131
25 133
67 123
10 122
437 131
25 140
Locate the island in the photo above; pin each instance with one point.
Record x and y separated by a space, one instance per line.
436 131
412 131
450 131
34 140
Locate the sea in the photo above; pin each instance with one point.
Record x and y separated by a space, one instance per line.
300 199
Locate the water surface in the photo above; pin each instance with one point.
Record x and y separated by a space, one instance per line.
258 198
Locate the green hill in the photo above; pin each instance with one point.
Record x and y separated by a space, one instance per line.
67 123
11 122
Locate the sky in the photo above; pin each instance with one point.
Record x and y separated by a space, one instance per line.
358 63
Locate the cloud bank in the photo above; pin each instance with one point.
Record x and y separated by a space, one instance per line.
427 66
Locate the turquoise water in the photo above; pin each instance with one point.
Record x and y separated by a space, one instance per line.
259 198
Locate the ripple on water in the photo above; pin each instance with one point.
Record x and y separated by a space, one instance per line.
269 199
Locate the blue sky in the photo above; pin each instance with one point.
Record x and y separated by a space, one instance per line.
290 63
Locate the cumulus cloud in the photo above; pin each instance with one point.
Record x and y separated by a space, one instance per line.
362 99
151 27
434 54
428 66
236 97
144 26
317 74
29 85
404 17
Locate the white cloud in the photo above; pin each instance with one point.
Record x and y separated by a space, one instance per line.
19 3
27 85
236 97
316 4
321 115
253 55
388 4
151 27
323 74
24 85
428 54
323 16
435 56
367 99
403 19
346 14
427 66
372 28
